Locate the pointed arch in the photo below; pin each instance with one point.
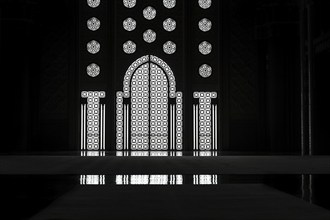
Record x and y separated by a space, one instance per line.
142 60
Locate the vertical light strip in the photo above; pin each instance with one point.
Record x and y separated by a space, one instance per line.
170 128
81 126
158 109
119 121
179 121
174 130
104 125
127 128
213 127
204 118
197 127
93 118
124 127
173 127
101 128
216 127
194 145
140 111
84 125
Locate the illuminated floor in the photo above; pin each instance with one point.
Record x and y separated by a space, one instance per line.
110 186
228 201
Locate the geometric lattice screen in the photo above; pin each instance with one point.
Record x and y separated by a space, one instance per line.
149 109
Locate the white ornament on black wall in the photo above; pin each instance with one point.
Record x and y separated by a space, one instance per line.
169 47
205 25
205 48
93 47
169 24
129 3
169 3
205 71
93 24
93 3
93 70
204 4
129 24
129 47
149 13
149 36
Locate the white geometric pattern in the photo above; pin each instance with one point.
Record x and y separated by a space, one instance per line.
93 70
148 82
129 47
204 4
129 73
205 25
169 3
168 72
169 47
93 3
93 24
205 71
205 132
158 108
140 108
129 24
169 24
205 48
93 47
93 117
149 13
144 59
179 119
129 3
119 120
149 36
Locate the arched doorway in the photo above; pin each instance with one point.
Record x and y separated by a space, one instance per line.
149 109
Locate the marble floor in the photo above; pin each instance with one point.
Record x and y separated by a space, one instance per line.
184 186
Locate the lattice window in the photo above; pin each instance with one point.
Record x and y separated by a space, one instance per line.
205 121
149 179
205 179
140 108
154 124
92 179
92 121
159 108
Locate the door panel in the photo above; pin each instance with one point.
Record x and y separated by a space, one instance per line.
158 109
140 109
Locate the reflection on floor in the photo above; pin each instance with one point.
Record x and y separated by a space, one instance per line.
162 185
227 201
162 179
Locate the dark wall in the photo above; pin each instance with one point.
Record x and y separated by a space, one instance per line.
257 73
263 76
38 73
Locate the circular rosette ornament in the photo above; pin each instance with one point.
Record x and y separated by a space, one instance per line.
204 4
169 24
205 48
93 47
169 3
205 25
149 13
93 70
129 24
129 47
129 3
93 24
169 47
149 36
93 3
205 71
